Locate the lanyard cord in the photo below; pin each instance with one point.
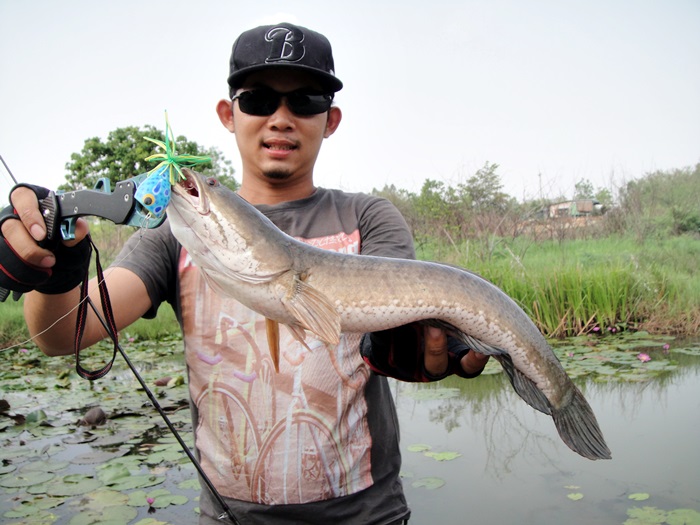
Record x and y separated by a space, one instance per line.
110 326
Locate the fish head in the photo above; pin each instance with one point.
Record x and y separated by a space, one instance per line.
225 236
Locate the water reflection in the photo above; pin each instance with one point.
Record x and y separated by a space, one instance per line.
514 468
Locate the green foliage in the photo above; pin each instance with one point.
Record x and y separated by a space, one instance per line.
662 203
583 189
477 209
122 155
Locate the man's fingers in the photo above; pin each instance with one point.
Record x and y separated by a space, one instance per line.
435 357
473 362
25 246
81 230
26 206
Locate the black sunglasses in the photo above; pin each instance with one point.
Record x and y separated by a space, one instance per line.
263 102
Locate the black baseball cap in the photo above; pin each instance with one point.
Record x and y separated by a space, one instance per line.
283 45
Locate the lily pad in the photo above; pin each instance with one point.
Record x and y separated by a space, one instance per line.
190 484
418 447
45 466
43 517
72 485
683 517
137 482
430 483
443 456
639 496
574 496
25 479
424 394
117 515
160 498
98 456
34 506
100 499
645 516
36 417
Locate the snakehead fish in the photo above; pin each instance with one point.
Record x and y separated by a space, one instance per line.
245 256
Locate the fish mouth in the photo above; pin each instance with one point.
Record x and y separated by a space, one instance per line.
191 190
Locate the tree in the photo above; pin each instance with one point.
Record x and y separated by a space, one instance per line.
484 191
583 189
122 155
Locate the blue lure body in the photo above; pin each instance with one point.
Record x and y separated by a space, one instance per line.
154 192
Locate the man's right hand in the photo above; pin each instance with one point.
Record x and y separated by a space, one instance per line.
24 264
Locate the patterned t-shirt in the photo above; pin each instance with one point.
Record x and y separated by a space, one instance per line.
316 442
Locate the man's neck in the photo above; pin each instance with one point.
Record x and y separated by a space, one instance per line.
263 192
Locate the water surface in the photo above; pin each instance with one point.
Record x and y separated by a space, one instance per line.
514 468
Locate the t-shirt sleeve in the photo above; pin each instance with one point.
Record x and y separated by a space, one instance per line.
384 231
152 255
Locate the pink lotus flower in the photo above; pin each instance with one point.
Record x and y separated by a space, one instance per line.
644 358
666 348
150 501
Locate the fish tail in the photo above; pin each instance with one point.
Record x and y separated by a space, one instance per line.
579 428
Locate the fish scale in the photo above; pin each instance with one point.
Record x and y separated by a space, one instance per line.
245 256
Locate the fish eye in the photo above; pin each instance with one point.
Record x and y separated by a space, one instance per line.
212 181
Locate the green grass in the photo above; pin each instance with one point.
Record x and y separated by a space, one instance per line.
577 286
13 329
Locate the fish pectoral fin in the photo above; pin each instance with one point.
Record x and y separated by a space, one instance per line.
314 311
272 328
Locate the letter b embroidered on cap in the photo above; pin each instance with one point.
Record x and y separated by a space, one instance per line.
286 44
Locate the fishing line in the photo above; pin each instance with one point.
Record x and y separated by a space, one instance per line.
227 513
8 170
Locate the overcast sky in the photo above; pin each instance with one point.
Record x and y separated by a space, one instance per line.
552 91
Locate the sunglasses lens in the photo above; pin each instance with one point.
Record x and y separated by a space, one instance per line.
305 104
264 102
259 102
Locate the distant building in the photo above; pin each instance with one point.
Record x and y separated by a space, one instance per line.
577 208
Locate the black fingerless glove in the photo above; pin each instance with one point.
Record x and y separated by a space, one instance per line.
399 352
18 275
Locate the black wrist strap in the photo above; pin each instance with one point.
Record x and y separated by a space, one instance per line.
110 324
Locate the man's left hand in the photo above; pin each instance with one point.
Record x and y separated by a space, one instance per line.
436 359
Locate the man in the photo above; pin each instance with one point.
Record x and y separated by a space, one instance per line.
318 442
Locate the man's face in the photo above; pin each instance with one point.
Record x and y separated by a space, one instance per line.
282 146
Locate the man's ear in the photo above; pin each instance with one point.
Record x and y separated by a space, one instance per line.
334 118
224 108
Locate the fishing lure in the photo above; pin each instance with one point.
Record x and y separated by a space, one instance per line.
154 192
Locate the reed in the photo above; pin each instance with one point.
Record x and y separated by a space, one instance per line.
595 285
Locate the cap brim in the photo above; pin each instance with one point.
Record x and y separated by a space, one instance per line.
327 81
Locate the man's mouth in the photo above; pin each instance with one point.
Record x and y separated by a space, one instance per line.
279 146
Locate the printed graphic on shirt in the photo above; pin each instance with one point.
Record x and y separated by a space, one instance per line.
293 437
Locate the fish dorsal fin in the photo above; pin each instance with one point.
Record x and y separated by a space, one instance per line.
313 310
